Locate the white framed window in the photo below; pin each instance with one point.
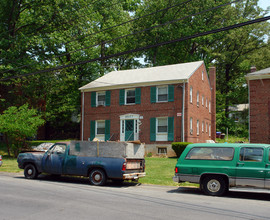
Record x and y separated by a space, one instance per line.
191 126
162 129
162 150
100 130
202 76
206 102
198 98
190 94
209 106
130 96
101 98
202 126
202 100
162 94
209 129
206 127
198 127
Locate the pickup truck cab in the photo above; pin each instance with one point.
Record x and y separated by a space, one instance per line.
98 161
217 167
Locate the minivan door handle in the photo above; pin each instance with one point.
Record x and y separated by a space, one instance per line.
240 164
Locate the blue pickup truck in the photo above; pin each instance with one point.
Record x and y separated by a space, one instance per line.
99 161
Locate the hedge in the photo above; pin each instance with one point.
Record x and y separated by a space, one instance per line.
179 147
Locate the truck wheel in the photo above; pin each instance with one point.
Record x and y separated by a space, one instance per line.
214 185
97 177
30 172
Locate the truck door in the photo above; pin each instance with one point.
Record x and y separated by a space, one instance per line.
267 169
250 168
54 158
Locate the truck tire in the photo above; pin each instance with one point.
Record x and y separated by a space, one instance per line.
214 185
97 177
30 171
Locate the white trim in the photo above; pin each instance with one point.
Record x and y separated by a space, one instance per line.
126 91
133 85
135 118
82 115
163 86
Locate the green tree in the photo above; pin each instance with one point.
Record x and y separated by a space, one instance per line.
18 124
233 52
37 35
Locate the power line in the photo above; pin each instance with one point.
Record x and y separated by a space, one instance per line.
147 47
134 33
135 19
109 28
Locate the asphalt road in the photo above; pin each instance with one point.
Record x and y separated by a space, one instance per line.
72 198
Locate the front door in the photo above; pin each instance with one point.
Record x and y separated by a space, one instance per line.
250 170
129 130
53 161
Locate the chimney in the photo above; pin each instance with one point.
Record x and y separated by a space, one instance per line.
253 69
212 77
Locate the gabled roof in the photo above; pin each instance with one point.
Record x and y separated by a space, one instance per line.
261 74
160 75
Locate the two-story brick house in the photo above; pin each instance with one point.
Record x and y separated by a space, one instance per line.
156 105
259 105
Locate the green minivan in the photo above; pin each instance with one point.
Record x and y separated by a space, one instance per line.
217 167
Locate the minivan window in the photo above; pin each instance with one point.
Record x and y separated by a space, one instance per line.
210 153
252 154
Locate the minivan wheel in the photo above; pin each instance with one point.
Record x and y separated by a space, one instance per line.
214 186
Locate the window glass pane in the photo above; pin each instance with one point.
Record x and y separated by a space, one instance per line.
101 96
251 154
213 153
162 125
130 96
162 93
101 127
59 149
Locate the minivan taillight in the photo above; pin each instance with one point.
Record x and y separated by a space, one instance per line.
176 169
124 167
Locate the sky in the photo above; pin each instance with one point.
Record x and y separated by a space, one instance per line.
264 4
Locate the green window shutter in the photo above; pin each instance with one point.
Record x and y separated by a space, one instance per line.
92 130
171 93
108 98
138 96
122 97
107 130
93 99
152 129
153 94
170 128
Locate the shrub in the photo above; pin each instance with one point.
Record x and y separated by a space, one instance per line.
179 147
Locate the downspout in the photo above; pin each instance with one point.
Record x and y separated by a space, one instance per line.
249 111
183 114
82 114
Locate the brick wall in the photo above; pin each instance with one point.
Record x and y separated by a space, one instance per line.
167 109
259 91
200 112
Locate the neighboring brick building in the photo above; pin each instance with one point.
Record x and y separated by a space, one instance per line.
259 105
147 105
